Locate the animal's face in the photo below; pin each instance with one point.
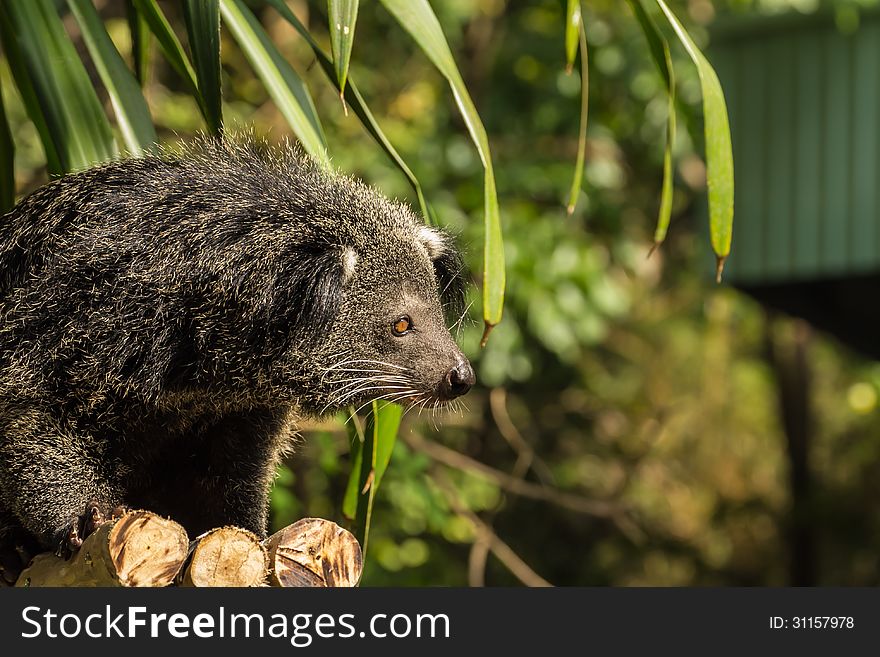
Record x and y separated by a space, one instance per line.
391 337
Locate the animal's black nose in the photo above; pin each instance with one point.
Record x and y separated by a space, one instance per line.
459 380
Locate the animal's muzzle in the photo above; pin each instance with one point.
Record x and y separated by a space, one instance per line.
458 380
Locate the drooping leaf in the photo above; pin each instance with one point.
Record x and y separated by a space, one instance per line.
140 41
417 18
343 17
719 152
582 133
56 89
666 195
132 113
572 29
371 454
203 29
283 84
354 99
655 39
659 49
7 161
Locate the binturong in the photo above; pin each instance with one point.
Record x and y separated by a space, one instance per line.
164 321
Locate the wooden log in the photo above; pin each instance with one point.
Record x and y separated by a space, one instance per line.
226 556
314 552
138 549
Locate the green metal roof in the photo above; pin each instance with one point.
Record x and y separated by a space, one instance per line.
804 104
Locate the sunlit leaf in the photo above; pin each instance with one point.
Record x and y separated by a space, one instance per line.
386 421
283 84
343 17
354 99
417 18
203 29
572 30
659 49
132 113
719 153
371 453
55 86
353 487
582 133
7 158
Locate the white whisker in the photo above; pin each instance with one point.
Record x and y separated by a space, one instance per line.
461 318
340 401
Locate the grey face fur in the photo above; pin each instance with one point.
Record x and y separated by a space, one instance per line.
420 365
164 320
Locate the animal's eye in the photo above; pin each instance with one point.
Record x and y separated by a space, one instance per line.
401 325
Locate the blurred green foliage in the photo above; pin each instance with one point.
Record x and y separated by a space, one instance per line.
632 384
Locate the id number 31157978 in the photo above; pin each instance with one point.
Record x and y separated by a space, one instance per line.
812 623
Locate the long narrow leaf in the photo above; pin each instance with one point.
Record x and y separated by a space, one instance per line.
417 18
203 28
343 17
572 29
659 49
353 487
371 454
582 134
132 113
667 192
386 422
76 127
356 101
140 41
656 40
171 47
719 153
28 95
282 82
7 161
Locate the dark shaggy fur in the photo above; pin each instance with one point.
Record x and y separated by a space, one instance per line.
163 320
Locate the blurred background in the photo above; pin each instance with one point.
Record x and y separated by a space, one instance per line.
634 422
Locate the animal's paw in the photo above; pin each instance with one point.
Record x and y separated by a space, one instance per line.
16 553
80 527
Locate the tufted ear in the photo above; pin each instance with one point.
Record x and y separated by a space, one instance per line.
448 269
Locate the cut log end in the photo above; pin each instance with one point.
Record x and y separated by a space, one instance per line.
146 549
227 556
316 553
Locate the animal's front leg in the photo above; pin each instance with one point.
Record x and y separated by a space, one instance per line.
58 482
225 478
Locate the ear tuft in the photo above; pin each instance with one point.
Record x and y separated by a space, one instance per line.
448 269
349 263
433 240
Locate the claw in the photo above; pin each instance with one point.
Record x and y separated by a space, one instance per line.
90 520
81 527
